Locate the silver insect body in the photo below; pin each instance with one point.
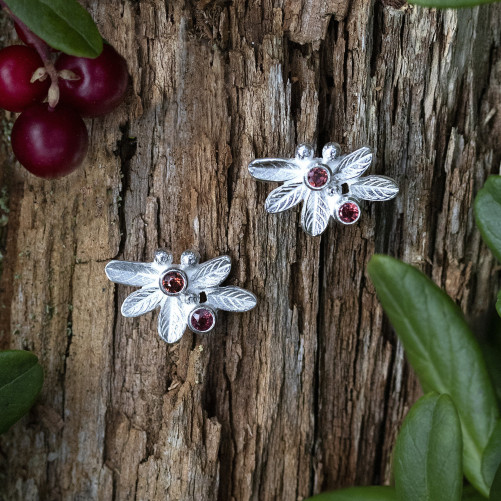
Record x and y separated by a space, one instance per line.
328 186
179 290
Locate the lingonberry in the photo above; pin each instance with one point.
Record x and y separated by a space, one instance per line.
49 142
101 82
17 65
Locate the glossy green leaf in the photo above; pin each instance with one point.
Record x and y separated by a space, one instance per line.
64 24
21 378
358 494
495 494
443 352
491 459
450 4
427 457
487 210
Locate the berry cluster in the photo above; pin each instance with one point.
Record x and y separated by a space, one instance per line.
49 137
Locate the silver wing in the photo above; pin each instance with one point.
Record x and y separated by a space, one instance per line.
354 164
274 169
131 273
286 196
315 214
231 299
211 273
142 301
374 188
171 321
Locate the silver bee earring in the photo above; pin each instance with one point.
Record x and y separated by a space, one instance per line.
329 186
179 289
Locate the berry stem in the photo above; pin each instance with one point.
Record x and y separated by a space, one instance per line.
43 51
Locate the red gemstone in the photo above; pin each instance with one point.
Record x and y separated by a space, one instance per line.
173 282
202 319
317 177
349 212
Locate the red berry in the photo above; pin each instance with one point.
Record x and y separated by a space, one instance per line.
49 142
17 65
102 84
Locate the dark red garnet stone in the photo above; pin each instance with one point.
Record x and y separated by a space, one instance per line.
317 177
173 282
349 212
202 319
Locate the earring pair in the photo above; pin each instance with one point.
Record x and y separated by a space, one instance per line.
190 293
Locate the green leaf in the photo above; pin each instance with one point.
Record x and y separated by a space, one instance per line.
64 24
450 4
491 459
427 457
21 378
495 494
487 209
498 304
443 352
358 494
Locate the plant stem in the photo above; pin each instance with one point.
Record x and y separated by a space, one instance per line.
43 51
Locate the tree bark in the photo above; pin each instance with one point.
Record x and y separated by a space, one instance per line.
306 392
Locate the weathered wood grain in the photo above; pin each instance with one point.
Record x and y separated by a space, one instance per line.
306 392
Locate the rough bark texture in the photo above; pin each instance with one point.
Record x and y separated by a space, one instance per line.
306 392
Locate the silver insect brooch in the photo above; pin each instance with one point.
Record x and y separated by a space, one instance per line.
328 186
189 294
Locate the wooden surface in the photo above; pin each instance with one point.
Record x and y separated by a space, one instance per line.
306 392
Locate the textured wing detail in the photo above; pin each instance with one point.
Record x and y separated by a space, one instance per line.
354 164
130 273
171 321
274 169
141 301
231 299
315 215
376 188
212 272
286 196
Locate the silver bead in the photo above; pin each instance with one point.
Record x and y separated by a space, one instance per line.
163 257
190 258
305 151
330 152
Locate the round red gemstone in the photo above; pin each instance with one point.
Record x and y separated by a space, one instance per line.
173 282
317 177
349 212
202 319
